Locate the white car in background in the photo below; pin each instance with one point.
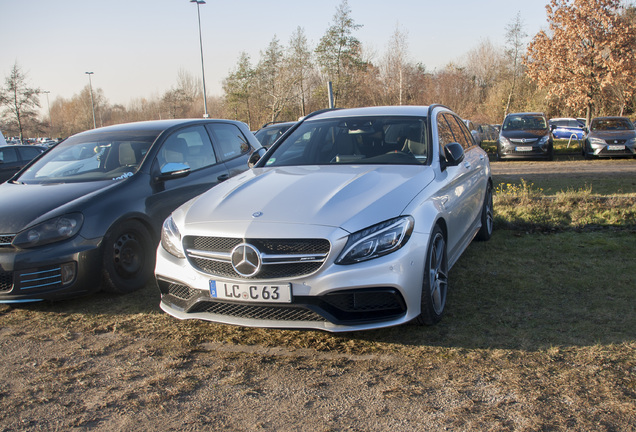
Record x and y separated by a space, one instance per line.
350 222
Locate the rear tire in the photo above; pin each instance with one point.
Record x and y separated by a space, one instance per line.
487 217
129 257
435 283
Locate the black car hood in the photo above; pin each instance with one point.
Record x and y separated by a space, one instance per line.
529 133
22 205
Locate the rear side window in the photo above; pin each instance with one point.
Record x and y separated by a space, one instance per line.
229 141
460 131
8 155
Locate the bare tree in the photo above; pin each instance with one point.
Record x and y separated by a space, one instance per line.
301 68
19 101
393 69
515 46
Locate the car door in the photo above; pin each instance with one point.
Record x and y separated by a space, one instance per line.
191 148
464 183
9 163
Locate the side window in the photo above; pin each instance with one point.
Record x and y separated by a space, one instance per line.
444 131
29 153
229 141
8 155
460 131
190 146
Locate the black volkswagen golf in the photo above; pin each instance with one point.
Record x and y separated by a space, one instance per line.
87 214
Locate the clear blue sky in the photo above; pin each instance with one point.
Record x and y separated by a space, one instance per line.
136 48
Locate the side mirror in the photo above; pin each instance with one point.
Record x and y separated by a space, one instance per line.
454 153
552 128
173 170
255 157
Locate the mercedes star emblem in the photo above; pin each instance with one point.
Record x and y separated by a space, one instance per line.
246 260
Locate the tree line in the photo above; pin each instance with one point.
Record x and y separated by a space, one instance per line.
584 65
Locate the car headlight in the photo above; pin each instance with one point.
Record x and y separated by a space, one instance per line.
376 241
544 140
631 142
597 141
505 141
171 238
50 231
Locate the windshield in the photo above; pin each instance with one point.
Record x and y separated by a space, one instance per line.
355 140
92 157
524 122
611 124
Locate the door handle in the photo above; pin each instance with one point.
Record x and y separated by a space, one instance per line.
467 164
223 177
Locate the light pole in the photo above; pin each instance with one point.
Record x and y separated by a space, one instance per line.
46 92
90 86
205 99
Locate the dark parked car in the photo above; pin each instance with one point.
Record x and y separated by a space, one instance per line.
610 137
566 128
525 136
270 132
90 209
14 157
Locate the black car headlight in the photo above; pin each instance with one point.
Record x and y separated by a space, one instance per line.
50 231
171 238
544 140
377 240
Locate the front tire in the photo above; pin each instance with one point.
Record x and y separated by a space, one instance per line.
129 258
435 283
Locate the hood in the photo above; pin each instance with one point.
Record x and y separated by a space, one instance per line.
529 133
613 134
22 205
349 197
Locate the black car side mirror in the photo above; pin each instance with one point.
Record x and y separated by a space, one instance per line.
454 154
255 157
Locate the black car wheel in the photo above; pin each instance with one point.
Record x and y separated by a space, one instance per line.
435 284
129 257
487 217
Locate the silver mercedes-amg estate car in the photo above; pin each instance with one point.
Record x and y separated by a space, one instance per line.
350 222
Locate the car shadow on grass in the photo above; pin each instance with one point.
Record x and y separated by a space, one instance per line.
517 291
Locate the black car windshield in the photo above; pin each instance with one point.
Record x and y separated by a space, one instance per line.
92 157
354 140
524 122
611 124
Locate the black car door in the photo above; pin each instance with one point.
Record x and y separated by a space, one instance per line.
192 148
9 163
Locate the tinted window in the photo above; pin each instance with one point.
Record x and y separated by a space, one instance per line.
524 122
8 154
229 141
29 153
611 124
190 146
460 131
356 140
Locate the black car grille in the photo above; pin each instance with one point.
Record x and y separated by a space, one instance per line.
6 239
272 313
181 291
6 281
294 257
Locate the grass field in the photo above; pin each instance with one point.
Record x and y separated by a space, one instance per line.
540 330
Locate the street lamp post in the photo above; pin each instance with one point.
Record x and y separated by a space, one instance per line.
48 105
90 86
205 99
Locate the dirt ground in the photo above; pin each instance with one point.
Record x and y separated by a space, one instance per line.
60 373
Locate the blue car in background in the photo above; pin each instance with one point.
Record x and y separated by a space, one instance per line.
564 128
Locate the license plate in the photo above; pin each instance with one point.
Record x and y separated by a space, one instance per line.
524 148
616 147
279 293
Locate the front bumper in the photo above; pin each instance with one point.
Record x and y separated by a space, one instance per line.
382 292
610 150
526 151
53 272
